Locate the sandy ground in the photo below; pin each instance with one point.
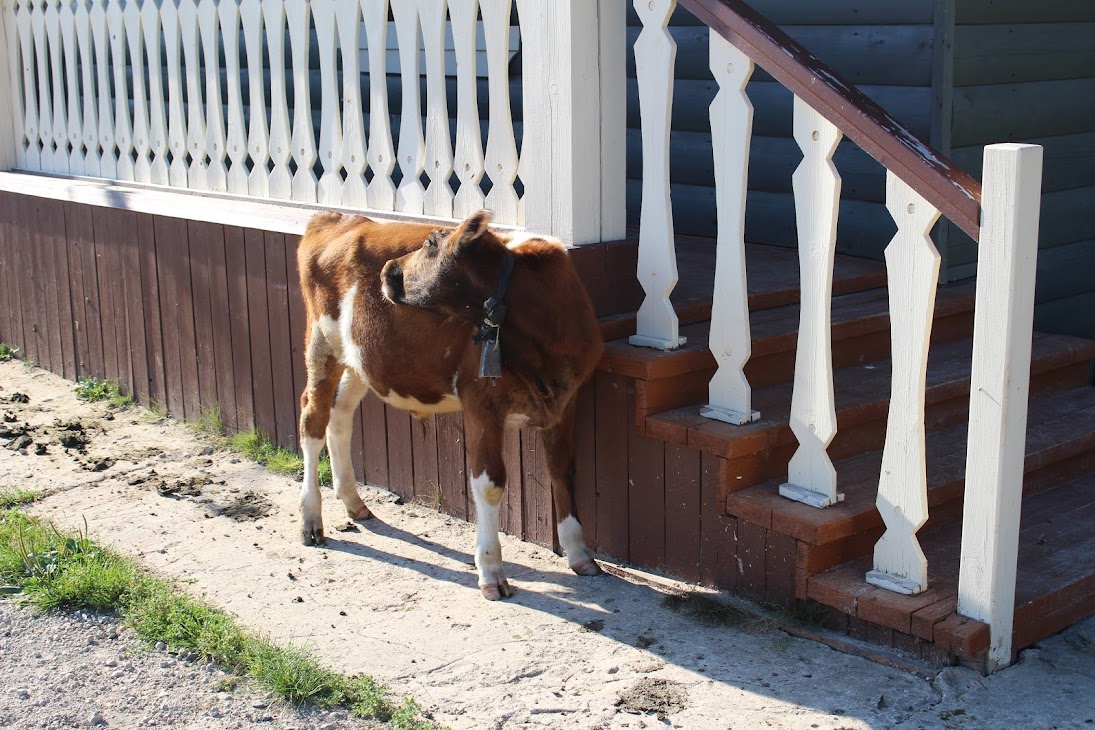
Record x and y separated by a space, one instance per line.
396 597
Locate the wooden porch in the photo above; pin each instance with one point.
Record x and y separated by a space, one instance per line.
703 503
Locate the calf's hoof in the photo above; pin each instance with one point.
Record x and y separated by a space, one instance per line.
495 592
359 514
311 533
587 567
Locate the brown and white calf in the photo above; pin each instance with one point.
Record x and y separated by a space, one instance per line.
440 320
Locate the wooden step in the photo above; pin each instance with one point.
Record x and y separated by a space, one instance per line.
1055 581
773 279
1060 444
761 450
860 333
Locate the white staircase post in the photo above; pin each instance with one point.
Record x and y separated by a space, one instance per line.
1002 330
912 264
655 55
811 476
730 396
572 152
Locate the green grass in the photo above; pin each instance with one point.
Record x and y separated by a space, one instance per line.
94 390
256 445
7 352
13 497
209 422
51 570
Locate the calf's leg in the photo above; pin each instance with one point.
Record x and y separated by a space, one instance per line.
316 402
488 482
339 430
559 445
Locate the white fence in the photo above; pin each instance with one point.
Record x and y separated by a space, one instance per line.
218 95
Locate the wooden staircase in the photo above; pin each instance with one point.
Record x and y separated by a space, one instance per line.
776 550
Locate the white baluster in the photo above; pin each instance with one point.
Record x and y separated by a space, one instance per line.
730 396
354 192
1002 327
123 126
176 122
252 13
439 197
216 174
57 91
329 191
412 146
534 167
108 163
157 124
72 82
45 121
87 86
273 15
655 55
236 144
501 158
381 150
14 11
304 136
196 177
469 136
811 475
912 265
134 33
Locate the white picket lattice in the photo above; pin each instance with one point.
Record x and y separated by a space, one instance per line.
811 476
410 196
438 198
730 397
381 190
123 125
912 263
501 153
469 140
354 192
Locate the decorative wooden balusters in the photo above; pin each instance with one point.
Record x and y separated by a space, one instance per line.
28 153
412 147
72 82
280 146
912 263
811 476
57 88
195 120
438 199
236 140
381 190
469 139
1002 328
12 141
44 95
304 135
176 122
252 17
157 124
142 146
123 121
655 55
329 190
216 174
731 130
501 157
354 192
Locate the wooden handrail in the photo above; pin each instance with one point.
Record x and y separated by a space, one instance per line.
953 191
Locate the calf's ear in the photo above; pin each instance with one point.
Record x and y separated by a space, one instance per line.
474 227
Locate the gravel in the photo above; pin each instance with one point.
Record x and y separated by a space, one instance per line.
84 670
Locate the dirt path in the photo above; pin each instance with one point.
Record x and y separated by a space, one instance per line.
397 598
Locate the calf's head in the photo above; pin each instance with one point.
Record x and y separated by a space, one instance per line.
452 273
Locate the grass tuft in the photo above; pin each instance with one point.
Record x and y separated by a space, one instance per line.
14 497
94 390
50 569
209 422
709 612
258 447
7 352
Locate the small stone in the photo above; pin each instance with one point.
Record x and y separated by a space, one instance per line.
97 719
112 633
165 665
260 704
91 641
215 712
110 663
22 694
160 646
613 670
266 718
118 674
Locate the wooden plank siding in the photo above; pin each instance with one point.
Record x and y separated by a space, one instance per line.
1025 72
